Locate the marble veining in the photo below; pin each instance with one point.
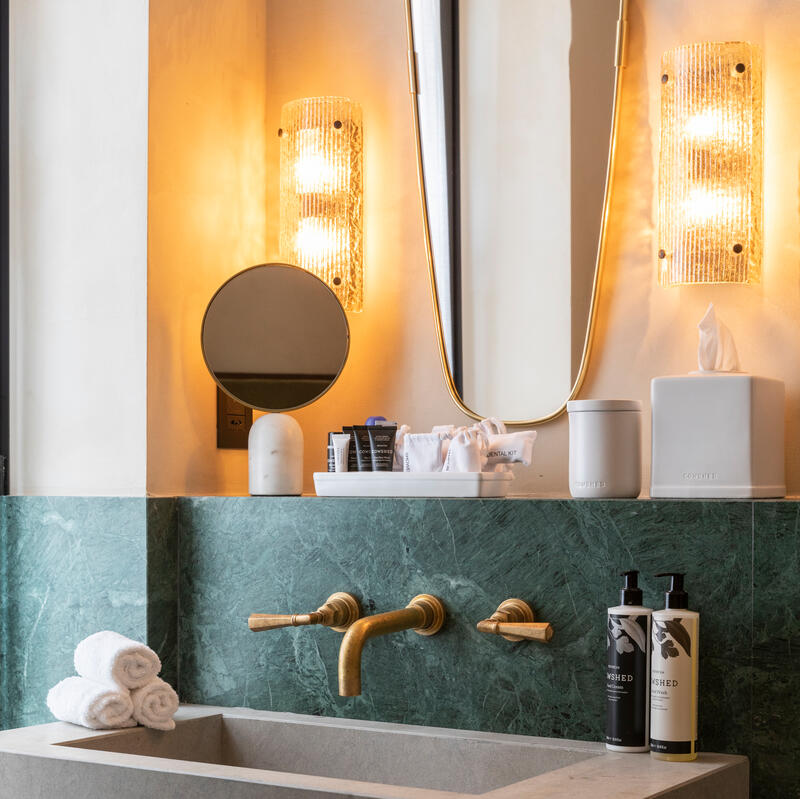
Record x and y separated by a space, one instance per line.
184 573
71 566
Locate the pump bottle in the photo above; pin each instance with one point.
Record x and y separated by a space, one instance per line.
674 676
628 670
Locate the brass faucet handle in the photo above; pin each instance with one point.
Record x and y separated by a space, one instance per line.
339 612
513 620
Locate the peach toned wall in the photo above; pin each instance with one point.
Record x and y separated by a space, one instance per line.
214 159
206 177
202 229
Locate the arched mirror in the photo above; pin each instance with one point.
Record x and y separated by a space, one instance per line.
515 106
275 337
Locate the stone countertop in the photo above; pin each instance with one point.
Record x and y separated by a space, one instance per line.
601 775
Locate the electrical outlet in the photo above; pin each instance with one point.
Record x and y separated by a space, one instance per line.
234 421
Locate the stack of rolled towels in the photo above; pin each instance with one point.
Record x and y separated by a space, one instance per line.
117 686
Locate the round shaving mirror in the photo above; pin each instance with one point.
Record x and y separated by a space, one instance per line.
275 337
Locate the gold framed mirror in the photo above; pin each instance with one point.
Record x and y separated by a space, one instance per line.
515 249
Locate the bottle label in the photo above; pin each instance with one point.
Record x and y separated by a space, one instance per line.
673 686
626 680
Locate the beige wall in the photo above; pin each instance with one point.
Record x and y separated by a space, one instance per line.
78 226
209 129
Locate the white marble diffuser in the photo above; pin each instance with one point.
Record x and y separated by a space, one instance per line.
275 456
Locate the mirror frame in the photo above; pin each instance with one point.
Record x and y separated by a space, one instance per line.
346 328
619 65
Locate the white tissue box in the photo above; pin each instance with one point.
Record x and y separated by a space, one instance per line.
717 435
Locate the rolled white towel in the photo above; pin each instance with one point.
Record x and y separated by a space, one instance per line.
109 657
155 704
91 704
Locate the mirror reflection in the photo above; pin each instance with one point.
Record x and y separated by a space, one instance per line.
275 337
515 111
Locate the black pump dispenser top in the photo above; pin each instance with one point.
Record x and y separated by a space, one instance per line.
631 594
677 598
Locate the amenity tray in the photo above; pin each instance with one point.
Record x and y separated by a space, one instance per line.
412 484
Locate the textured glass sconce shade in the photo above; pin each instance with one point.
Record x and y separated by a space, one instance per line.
321 192
710 171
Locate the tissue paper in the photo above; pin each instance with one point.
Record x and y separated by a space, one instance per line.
716 351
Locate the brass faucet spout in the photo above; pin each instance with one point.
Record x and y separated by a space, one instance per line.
424 614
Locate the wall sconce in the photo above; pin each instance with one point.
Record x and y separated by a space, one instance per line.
710 172
321 192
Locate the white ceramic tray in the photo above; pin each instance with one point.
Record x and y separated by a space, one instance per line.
412 484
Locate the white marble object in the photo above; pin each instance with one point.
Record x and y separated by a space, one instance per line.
275 456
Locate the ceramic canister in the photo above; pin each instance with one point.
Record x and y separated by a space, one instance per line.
605 448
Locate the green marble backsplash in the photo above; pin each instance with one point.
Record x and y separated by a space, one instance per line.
185 573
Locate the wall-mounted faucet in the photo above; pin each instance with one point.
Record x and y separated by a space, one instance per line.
424 614
339 612
513 620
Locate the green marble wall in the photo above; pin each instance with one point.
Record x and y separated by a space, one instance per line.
70 566
185 573
240 555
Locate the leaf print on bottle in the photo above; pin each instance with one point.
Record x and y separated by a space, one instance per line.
680 634
625 634
634 631
664 632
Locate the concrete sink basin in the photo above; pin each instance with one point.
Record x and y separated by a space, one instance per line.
229 753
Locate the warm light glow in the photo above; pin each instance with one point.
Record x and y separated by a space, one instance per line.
316 170
321 192
702 206
710 168
711 124
317 240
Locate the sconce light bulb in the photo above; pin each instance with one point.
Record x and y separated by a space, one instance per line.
703 205
318 239
321 192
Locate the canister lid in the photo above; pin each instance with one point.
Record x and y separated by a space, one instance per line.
579 406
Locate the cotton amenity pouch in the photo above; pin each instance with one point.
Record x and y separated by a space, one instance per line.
464 453
422 452
511 448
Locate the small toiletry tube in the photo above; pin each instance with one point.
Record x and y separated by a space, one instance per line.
381 445
422 452
338 450
399 447
363 449
352 460
511 448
